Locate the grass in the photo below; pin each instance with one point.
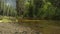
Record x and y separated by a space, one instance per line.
6 19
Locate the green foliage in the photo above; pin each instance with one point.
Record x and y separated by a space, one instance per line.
55 3
7 10
41 9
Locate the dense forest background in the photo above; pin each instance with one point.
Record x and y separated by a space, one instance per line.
32 9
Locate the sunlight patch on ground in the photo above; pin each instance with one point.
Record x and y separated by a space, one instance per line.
0 21
7 19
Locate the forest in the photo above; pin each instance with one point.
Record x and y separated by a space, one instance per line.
32 9
29 16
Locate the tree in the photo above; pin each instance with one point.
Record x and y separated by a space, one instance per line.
55 3
20 6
